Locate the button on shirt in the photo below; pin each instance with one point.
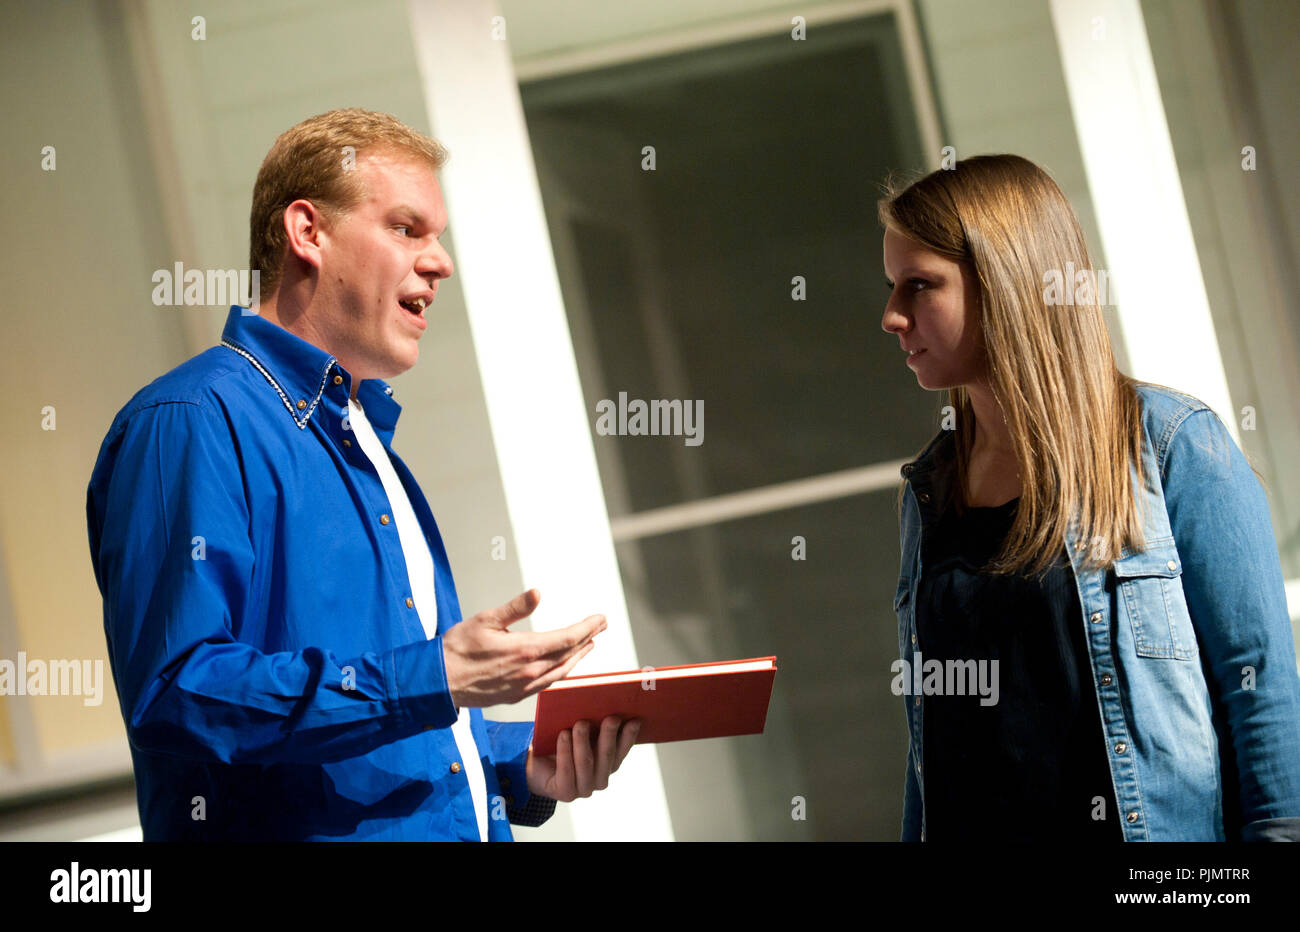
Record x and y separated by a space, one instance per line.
419 568
272 663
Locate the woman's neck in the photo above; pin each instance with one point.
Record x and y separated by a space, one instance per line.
992 436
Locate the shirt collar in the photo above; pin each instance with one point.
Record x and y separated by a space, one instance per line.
304 375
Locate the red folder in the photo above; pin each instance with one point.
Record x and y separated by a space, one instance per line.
681 703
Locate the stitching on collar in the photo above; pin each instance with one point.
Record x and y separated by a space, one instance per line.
302 424
926 460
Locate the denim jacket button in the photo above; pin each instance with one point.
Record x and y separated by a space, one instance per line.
1132 817
916 701
908 469
924 497
1105 679
1121 748
1095 618
914 637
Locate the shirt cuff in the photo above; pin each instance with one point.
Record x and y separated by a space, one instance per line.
533 813
418 691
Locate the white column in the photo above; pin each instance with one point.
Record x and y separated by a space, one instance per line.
1163 310
530 378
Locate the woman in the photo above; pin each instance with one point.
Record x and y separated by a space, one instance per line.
1097 547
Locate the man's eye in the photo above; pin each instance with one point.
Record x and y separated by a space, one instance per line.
405 229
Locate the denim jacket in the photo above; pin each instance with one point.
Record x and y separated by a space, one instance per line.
1190 642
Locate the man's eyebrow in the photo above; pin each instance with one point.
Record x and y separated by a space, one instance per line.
415 215
410 212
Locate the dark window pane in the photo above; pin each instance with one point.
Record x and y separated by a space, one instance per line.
835 733
769 155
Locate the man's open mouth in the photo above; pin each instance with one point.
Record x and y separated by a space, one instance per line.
415 305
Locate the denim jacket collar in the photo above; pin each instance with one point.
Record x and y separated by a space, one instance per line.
934 471
304 375
931 475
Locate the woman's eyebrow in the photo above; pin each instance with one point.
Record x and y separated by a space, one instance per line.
915 272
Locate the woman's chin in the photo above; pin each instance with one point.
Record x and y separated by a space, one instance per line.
932 384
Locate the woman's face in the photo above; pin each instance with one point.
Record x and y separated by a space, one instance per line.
935 310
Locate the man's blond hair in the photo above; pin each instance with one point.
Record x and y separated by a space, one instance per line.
311 161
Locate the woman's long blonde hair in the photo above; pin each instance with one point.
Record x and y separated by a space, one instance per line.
1075 419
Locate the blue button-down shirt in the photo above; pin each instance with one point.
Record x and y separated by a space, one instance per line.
1189 640
272 671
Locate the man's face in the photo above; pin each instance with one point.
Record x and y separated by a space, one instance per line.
377 260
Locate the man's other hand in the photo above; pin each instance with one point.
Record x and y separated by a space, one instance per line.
577 769
487 664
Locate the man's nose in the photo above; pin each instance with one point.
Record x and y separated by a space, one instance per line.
436 261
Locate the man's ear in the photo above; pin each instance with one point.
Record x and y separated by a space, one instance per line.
304 225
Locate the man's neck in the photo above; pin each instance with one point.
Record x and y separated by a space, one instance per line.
299 324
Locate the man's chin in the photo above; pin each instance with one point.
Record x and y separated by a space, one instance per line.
408 361
395 365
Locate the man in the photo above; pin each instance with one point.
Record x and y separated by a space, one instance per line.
281 617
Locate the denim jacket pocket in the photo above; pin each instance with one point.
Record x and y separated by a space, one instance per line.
1151 595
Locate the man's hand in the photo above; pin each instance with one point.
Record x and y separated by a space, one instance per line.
486 664
577 770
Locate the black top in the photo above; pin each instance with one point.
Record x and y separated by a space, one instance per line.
1028 767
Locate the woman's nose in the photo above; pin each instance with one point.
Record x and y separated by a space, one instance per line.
892 321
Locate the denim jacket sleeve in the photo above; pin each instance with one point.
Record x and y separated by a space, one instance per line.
188 687
1232 578
911 801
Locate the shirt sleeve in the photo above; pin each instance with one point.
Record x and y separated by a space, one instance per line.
1232 578
169 537
510 742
